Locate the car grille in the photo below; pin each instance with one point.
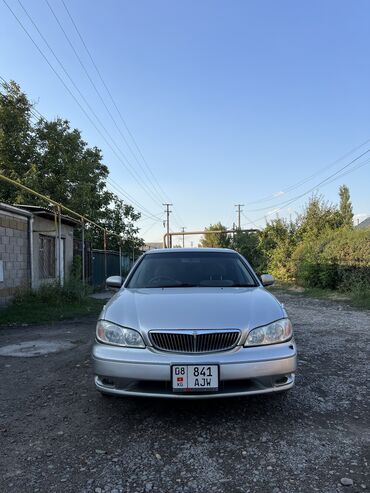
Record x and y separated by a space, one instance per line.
194 341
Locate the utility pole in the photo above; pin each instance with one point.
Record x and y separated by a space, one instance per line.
239 206
183 237
167 211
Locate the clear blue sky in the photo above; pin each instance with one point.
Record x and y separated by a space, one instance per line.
228 101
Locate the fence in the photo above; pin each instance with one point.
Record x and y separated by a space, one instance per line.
108 263
77 254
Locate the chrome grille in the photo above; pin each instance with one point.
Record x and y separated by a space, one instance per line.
194 341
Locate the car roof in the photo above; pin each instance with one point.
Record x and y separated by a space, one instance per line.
197 250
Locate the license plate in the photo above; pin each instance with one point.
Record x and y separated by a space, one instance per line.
195 378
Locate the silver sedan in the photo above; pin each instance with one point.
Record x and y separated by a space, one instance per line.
193 323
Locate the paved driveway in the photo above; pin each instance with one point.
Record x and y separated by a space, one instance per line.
58 434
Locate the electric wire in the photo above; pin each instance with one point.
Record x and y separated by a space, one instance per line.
325 182
314 187
122 158
156 185
102 101
310 177
139 206
112 100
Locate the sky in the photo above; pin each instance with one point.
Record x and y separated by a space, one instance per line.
228 101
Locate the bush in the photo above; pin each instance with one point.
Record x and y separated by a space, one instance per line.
73 291
335 260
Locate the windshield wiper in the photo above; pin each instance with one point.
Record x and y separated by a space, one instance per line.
243 286
179 285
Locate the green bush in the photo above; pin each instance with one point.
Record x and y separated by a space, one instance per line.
335 260
308 274
73 291
328 276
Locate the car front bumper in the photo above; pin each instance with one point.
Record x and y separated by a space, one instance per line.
147 372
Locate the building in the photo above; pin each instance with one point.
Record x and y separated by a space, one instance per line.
152 246
365 224
31 253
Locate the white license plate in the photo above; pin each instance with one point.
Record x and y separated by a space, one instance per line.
195 378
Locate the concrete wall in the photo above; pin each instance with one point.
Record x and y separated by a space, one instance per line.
15 265
14 254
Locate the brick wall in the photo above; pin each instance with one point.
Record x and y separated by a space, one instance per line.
14 253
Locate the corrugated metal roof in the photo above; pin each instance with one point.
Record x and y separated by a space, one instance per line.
364 224
46 213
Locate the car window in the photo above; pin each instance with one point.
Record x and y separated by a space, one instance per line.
191 269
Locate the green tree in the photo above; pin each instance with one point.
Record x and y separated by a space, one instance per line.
345 206
277 243
249 245
317 217
53 159
69 170
120 218
17 139
215 240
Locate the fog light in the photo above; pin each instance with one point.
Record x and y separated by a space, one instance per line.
281 381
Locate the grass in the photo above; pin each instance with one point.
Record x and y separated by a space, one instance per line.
51 303
358 298
40 312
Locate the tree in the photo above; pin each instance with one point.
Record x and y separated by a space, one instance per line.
248 245
277 243
69 170
215 240
120 218
17 139
53 159
317 217
345 206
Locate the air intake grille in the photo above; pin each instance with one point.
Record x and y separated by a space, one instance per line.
194 341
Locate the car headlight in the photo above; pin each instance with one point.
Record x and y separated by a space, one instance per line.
119 336
278 331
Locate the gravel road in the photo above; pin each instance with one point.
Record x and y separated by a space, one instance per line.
57 434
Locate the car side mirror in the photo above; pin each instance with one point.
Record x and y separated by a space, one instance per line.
267 280
114 282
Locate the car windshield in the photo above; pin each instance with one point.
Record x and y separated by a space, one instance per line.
191 269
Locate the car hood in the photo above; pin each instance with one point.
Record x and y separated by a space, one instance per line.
193 308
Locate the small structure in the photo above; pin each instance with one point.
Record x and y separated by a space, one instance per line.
152 246
34 248
365 224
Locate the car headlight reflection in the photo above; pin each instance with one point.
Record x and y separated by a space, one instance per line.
279 331
110 333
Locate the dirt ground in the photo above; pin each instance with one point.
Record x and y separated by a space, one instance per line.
57 434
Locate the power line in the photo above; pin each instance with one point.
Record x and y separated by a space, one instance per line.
101 98
250 220
307 179
73 95
158 187
287 202
183 236
129 167
326 181
122 191
168 212
149 228
144 211
111 97
239 206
